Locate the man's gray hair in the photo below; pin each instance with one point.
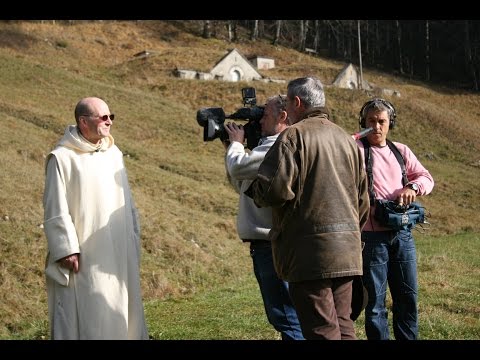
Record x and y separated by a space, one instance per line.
279 102
309 90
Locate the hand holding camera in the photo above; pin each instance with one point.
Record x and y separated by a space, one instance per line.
212 120
235 132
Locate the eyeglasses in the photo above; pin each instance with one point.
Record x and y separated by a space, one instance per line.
103 117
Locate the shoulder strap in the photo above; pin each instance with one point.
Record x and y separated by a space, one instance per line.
369 165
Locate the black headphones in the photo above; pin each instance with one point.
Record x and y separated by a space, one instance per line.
370 104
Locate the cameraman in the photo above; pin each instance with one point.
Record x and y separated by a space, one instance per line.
254 224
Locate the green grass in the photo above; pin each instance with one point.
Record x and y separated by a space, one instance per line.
449 298
233 312
449 279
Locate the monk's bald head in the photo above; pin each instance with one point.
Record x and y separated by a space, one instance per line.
87 106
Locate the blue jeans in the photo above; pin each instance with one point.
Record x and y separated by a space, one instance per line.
276 299
390 256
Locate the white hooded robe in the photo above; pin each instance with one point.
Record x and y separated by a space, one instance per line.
89 210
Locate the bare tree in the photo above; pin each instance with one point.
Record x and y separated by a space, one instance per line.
206 29
366 39
278 29
229 31
316 38
376 40
302 35
333 36
360 83
427 50
468 56
254 33
261 29
399 45
235 32
214 24
232 30
347 35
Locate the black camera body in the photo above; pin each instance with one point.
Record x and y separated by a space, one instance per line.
213 118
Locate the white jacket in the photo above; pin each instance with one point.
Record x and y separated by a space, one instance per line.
242 167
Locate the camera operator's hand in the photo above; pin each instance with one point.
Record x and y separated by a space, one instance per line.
235 132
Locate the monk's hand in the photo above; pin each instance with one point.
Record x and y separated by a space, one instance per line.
70 262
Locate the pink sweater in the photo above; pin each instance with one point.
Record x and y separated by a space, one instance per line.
387 176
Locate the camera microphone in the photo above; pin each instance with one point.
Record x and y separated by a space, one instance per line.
362 133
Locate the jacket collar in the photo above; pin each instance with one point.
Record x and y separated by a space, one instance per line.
317 111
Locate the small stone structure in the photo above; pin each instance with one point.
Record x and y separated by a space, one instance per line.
262 63
235 67
349 78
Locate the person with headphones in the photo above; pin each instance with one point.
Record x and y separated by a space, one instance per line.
389 256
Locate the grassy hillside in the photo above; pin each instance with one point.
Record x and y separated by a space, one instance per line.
187 208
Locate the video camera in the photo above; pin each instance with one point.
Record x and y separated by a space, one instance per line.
212 119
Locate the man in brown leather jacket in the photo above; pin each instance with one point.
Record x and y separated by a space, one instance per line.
314 179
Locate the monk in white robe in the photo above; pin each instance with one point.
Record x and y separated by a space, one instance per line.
93 233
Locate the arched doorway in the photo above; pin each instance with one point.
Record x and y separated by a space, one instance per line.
235 74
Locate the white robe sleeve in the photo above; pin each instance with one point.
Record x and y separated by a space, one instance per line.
59 228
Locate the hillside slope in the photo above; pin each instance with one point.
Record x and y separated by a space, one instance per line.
187 208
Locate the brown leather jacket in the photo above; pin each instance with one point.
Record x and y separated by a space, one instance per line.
313 177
